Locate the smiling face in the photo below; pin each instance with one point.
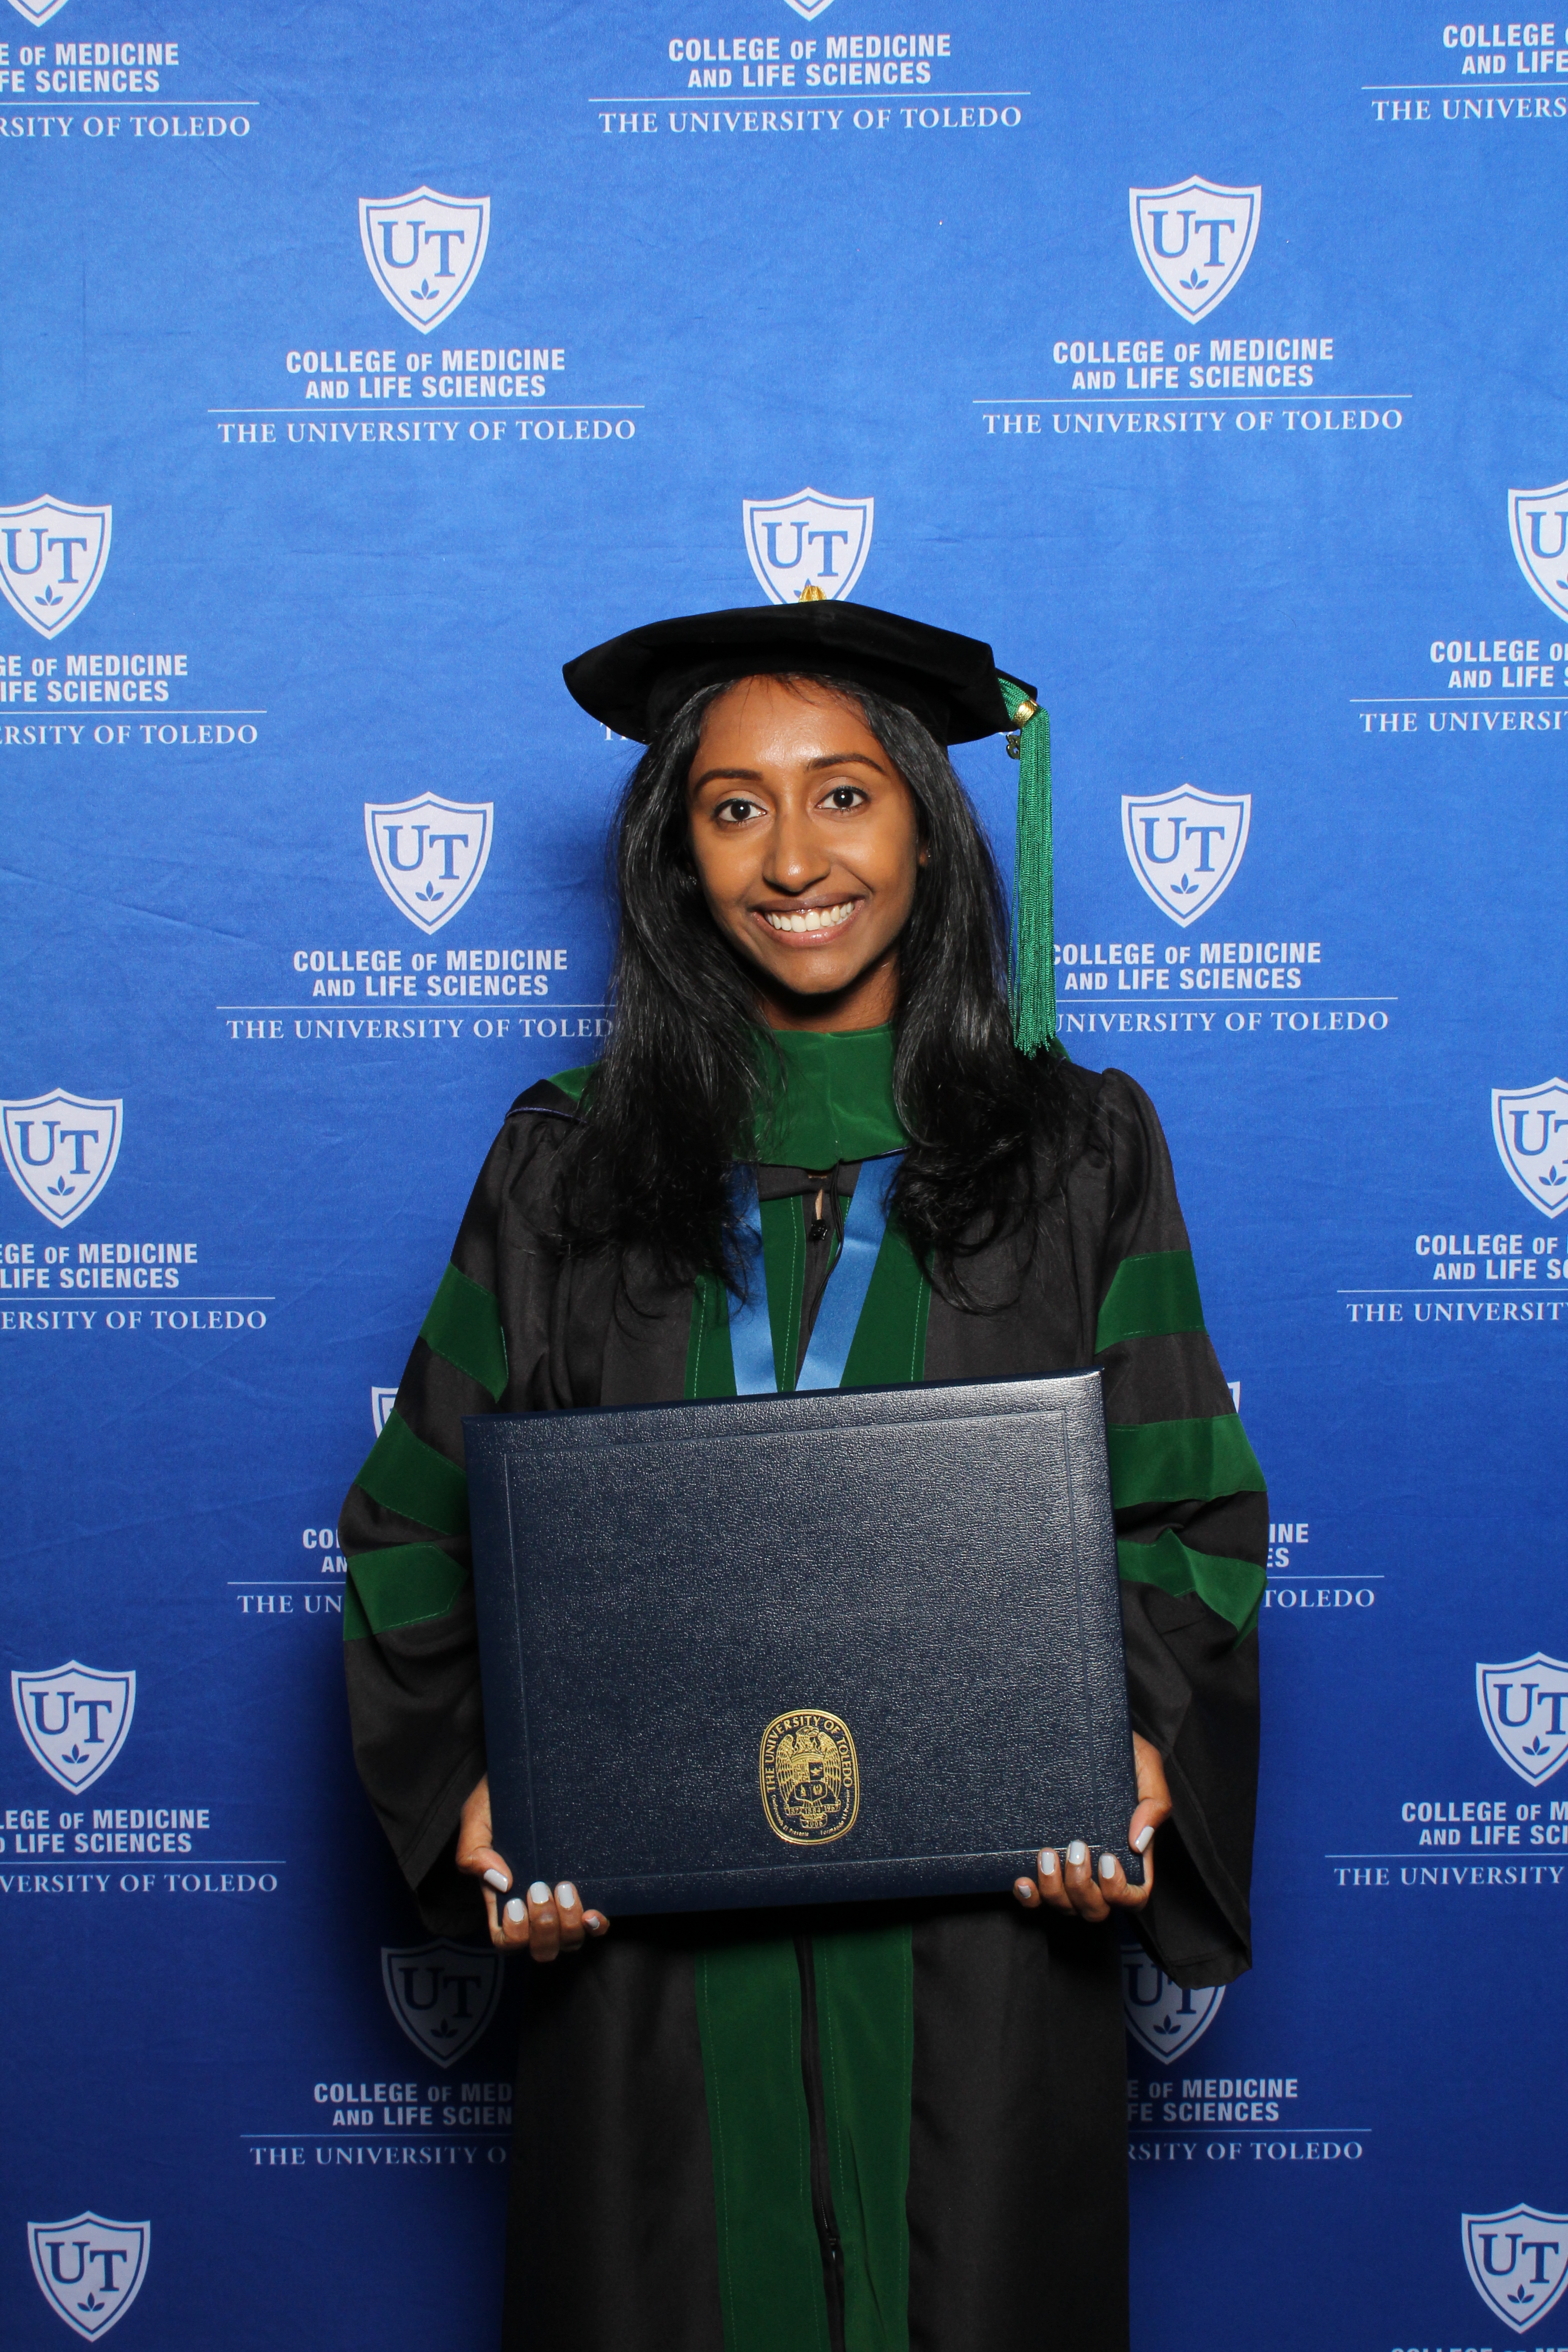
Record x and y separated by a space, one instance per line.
807 844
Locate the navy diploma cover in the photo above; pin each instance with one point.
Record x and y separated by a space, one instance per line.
809 1648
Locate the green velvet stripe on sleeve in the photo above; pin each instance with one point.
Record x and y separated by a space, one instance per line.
1148 1297
1181 1461
405 1476
464 1325
401 1584
1233 1588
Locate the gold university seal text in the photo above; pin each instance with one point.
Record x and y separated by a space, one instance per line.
810 1777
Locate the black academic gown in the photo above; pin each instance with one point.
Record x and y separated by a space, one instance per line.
628 2184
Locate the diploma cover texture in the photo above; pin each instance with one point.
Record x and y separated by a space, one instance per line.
801 1649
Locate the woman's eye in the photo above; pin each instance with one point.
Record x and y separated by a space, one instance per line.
734 812
844 796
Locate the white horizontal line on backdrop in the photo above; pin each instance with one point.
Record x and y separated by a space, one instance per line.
1463 1289
1154 399
1456 697
725 97
1294 999
1334 999
406 408
181 106
432 1003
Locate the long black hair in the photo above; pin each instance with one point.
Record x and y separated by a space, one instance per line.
673 1103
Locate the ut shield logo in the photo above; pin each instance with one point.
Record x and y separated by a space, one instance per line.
381 1404
74 1719
1518 2262
443 1995
429 854
51 559
1524 1706
37 11
807 542
90 2271
425 251
61 1149
1530 1128
809 9
1194 240
1538 526
1185 847
1166 2018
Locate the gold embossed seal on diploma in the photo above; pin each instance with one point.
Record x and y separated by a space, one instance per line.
810 1777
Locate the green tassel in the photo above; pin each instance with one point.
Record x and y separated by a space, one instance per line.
1033 927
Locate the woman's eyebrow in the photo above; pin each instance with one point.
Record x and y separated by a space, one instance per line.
733 775
843 758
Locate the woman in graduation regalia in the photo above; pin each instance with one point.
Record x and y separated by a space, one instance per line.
871 2126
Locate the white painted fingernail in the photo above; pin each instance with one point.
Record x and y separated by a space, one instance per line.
1047 1863
498 1879
1078 1853
1108 1865
539 1892
1144 1839
1023 1890
566 1896
516 1912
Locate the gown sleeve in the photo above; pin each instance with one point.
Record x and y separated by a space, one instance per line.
410 1646
1191 1525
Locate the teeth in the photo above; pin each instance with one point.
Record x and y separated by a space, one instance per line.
814 918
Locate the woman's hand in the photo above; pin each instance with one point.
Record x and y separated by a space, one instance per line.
1067 1882
545 1923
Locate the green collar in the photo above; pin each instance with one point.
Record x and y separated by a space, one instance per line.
837 1101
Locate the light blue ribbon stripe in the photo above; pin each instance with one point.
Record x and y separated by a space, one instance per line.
751 1333
833 1335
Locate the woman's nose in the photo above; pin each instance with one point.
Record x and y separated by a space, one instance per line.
794 859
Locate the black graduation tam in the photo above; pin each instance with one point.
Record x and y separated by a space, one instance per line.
636 682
